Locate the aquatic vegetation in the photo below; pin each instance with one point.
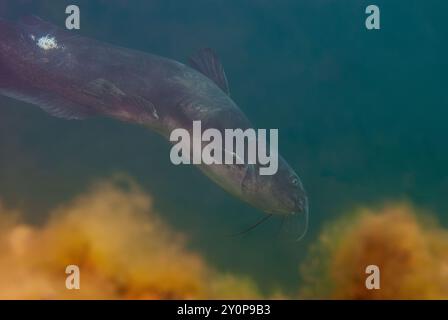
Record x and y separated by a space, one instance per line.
122 248
410 249
124 251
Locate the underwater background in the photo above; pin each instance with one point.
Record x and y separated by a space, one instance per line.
361 117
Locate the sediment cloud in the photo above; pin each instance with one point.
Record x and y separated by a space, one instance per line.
123 249
410 249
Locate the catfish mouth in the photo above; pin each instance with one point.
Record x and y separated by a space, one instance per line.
278 202
292 201
300 205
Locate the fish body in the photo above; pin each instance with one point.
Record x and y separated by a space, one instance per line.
74 77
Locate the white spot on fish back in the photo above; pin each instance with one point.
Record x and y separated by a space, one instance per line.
47 43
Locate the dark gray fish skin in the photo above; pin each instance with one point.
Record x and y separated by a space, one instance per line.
74 77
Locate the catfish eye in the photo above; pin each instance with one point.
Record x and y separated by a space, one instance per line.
294 181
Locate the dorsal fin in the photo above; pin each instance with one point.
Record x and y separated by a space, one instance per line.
206 61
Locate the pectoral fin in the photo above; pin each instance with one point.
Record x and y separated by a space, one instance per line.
118 104
142 106
234 156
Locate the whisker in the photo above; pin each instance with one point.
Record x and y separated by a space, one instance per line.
265 218
305 230
281 226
